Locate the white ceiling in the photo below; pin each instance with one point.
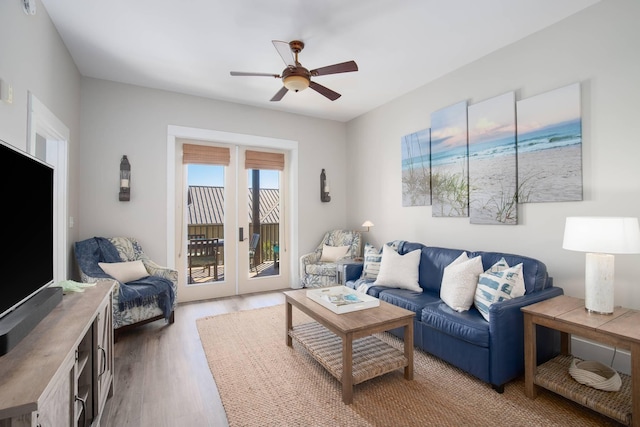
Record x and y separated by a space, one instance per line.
190 46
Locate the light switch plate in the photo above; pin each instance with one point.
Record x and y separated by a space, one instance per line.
6 92
29 7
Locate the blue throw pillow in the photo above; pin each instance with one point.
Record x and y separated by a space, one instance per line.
372 260
495 286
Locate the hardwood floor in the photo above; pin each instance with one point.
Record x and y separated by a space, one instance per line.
161 372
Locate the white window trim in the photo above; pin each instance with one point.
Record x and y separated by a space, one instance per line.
41 121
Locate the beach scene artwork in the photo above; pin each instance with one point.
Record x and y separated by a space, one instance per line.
416 168
449 165
492 161
549 144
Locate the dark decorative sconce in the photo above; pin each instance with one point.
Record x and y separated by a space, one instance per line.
125 179
324 188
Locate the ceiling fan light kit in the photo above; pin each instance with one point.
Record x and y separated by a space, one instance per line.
295 81
295 77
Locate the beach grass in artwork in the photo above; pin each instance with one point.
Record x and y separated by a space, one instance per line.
549 145
451 190
416 169
449 162
492 161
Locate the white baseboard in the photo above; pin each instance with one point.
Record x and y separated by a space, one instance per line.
590 350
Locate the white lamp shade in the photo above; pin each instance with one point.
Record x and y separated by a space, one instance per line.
367 223
608 235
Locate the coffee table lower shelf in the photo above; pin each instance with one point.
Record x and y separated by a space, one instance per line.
554 375
372 357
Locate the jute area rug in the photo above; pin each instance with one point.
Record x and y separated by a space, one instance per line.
262 382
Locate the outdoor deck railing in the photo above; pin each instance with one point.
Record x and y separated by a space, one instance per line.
268 237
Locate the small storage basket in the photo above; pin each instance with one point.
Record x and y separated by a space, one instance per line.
595 374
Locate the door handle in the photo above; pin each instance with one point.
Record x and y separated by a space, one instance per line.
241 234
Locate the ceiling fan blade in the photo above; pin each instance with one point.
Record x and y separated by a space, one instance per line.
242 73
285 52
344 67
322 90
278 96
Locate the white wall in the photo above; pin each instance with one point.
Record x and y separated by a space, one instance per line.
34 59
597 47
122 119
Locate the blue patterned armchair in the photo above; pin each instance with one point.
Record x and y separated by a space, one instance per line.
319 269
139 301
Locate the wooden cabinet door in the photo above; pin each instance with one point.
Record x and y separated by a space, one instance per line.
57 408
104 355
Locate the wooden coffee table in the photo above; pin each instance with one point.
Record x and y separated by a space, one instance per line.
343 343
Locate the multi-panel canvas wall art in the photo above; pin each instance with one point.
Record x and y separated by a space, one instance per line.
449 167
416 168
492 161
507 153
550 146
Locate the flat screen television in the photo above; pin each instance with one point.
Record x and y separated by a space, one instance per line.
27 237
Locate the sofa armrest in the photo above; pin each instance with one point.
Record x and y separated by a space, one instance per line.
523 301
506 330
306 259
353 271
155 269
310 258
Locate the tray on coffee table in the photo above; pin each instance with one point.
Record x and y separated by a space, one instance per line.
341 299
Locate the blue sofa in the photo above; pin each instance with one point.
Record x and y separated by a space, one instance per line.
493 350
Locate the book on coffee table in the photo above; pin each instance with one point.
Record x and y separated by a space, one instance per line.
341 299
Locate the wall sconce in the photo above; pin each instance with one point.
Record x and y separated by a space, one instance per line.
125 179
367 224
324 188
601 237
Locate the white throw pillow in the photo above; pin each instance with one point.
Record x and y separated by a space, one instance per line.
459 282
333 253
498 286
125 271
399 271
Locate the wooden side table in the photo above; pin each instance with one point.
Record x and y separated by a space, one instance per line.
568 315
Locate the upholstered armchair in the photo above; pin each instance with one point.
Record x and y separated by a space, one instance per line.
318 268
145 291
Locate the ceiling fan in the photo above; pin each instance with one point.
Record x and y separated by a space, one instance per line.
295 77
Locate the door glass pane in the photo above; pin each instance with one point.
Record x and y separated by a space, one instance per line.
205 223
264 222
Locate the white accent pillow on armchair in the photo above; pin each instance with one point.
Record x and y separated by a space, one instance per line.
125 272
333 253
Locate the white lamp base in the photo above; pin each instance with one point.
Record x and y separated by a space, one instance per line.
598 292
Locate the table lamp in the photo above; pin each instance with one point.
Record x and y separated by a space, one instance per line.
601 237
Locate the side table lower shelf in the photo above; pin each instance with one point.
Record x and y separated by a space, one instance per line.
372 357
554 375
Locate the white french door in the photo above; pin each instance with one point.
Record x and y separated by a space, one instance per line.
217 201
